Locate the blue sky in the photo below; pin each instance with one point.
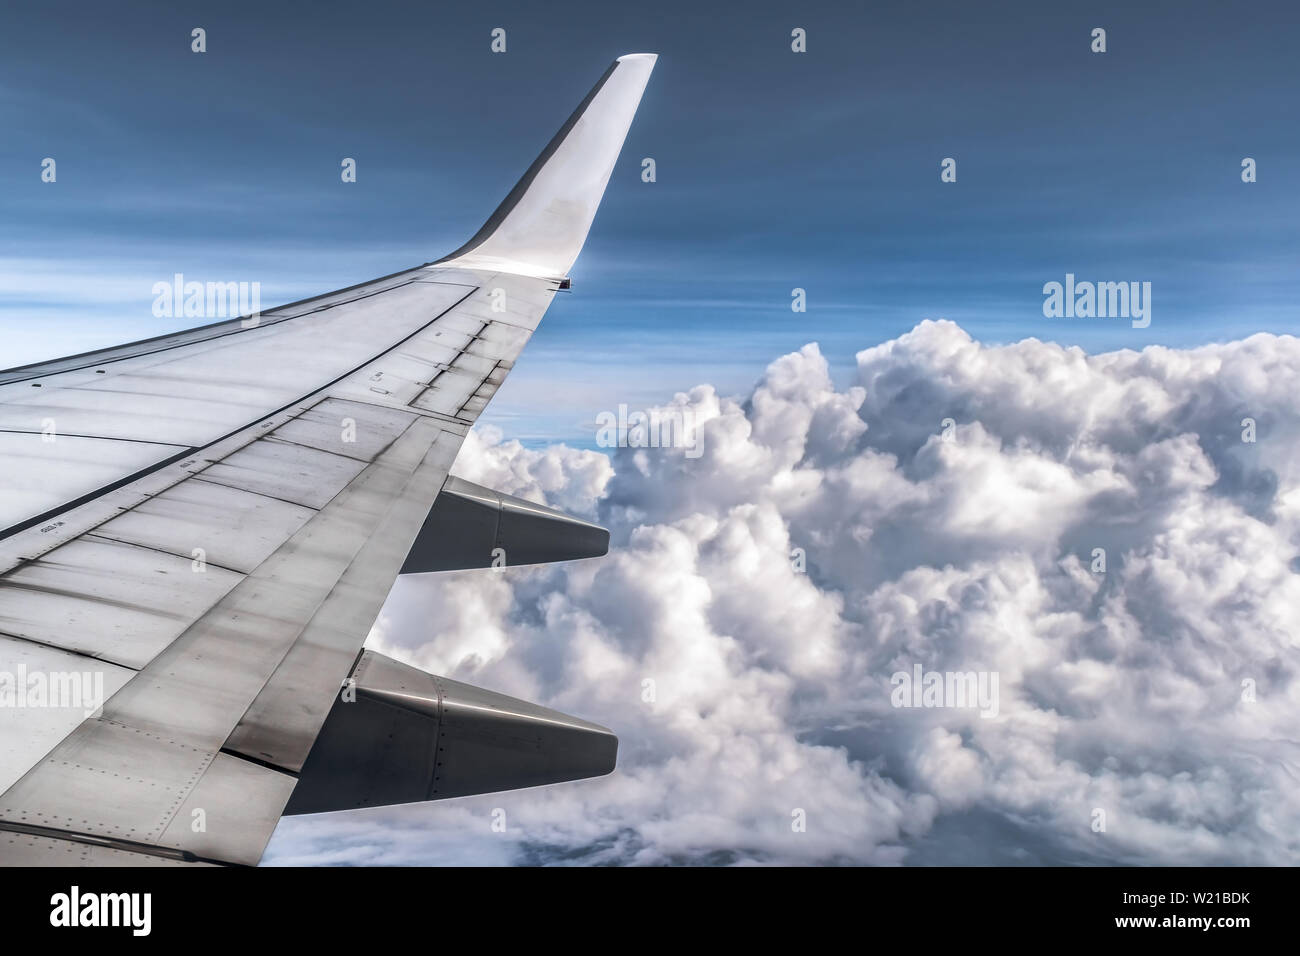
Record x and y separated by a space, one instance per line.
775 170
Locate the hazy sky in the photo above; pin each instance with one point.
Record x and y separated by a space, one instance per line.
775 170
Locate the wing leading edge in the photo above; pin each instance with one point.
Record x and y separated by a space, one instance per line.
223 511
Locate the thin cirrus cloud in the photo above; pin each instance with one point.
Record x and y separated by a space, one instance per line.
1161 693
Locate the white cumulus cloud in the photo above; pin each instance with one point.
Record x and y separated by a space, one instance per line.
952 510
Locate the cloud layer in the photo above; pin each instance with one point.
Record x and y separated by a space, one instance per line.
951 510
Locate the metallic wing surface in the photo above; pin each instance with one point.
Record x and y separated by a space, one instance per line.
205 525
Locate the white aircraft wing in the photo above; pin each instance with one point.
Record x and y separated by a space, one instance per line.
205 525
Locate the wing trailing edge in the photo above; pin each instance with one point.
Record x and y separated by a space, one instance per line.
539 229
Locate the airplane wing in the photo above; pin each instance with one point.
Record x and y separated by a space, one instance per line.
197 532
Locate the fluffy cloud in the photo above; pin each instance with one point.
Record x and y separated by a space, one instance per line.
949 510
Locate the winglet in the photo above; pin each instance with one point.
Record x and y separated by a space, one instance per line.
540 227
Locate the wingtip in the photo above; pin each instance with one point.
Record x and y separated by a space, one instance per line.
540 227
